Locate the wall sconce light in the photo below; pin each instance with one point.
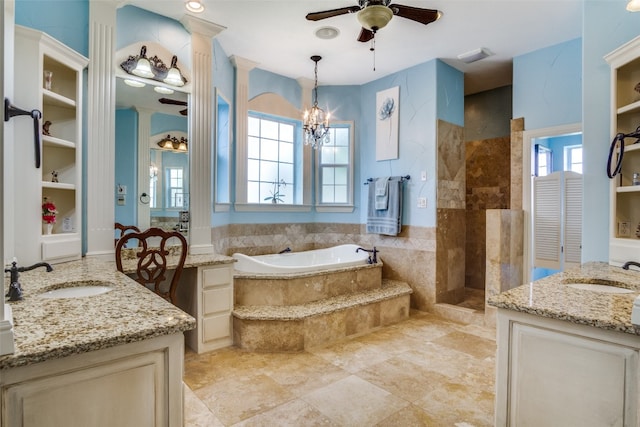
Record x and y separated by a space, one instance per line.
174 144
194 6
153 68
633 6
315 122
174 76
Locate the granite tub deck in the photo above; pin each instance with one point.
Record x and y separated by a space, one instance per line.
47 329
294 312
551 298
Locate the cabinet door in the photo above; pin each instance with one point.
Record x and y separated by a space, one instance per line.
559 379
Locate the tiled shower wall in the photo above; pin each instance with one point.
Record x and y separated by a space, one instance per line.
488 187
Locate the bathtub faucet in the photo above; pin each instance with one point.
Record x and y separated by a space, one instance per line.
373 258
630 263
285 250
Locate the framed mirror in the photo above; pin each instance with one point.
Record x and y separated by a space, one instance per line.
152 163
222 153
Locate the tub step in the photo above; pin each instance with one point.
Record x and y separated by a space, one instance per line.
299 327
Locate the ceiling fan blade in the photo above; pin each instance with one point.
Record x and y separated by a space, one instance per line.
365 35
316 16
184 112
424 16
171 101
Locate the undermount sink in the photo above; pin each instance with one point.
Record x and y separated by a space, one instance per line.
603 289
90 289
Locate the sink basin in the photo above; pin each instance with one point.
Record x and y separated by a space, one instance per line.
604 289
76 291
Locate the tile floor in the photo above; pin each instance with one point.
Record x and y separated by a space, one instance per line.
425 371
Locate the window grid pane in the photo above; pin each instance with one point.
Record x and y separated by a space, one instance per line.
334 165
270 161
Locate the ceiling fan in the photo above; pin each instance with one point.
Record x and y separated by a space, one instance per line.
174 102
375 14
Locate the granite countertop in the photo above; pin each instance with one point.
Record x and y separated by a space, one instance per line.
550 297
54 328
129 263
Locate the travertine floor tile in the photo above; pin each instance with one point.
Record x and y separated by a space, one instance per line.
353 401
236 399
294 413
425 371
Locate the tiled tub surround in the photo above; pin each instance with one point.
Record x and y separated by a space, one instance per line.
293 312
55 328
551 298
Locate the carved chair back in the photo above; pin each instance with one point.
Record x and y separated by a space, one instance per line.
158 260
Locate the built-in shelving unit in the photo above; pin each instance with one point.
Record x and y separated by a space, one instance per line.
624 245
61 150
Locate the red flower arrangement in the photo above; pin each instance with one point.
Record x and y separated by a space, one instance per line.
49 212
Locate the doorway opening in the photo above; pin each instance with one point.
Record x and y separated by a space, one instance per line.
552 199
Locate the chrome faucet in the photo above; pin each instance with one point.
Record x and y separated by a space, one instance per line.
285 250
373 259
629 263
15 290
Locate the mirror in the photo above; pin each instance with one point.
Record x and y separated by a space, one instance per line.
152 182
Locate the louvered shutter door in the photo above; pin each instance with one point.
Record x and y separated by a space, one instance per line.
573 219
547 220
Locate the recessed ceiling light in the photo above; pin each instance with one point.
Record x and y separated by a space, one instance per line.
633 6
163 90
134 83
474 55
327 33
194 6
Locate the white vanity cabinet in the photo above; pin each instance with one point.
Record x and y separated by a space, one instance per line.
61 149
131 385
210 301
624 243
556 373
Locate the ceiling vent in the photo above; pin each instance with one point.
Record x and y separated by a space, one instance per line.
474 55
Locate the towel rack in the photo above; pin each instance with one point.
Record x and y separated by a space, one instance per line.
402 178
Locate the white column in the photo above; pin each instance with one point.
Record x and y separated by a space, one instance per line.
200 134
144 161
243 66
6 135
101 106
307 86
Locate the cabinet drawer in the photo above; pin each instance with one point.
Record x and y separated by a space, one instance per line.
216 300
216 277
216 327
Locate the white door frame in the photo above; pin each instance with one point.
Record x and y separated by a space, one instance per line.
528 137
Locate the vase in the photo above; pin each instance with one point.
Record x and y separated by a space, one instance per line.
47 228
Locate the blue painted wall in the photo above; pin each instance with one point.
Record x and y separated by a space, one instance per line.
547 86
127 164
607 25
65 20
135 25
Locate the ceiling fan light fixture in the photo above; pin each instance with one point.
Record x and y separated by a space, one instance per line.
475 55
633 6
194 6
375 16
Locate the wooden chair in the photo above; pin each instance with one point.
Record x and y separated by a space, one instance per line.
124 229
152 267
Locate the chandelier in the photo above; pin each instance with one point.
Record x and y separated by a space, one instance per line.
315 122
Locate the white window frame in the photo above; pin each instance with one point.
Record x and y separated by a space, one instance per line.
337 207
170 188
568 150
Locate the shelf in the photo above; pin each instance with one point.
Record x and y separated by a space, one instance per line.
52 141
630 108
52 98
58 185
